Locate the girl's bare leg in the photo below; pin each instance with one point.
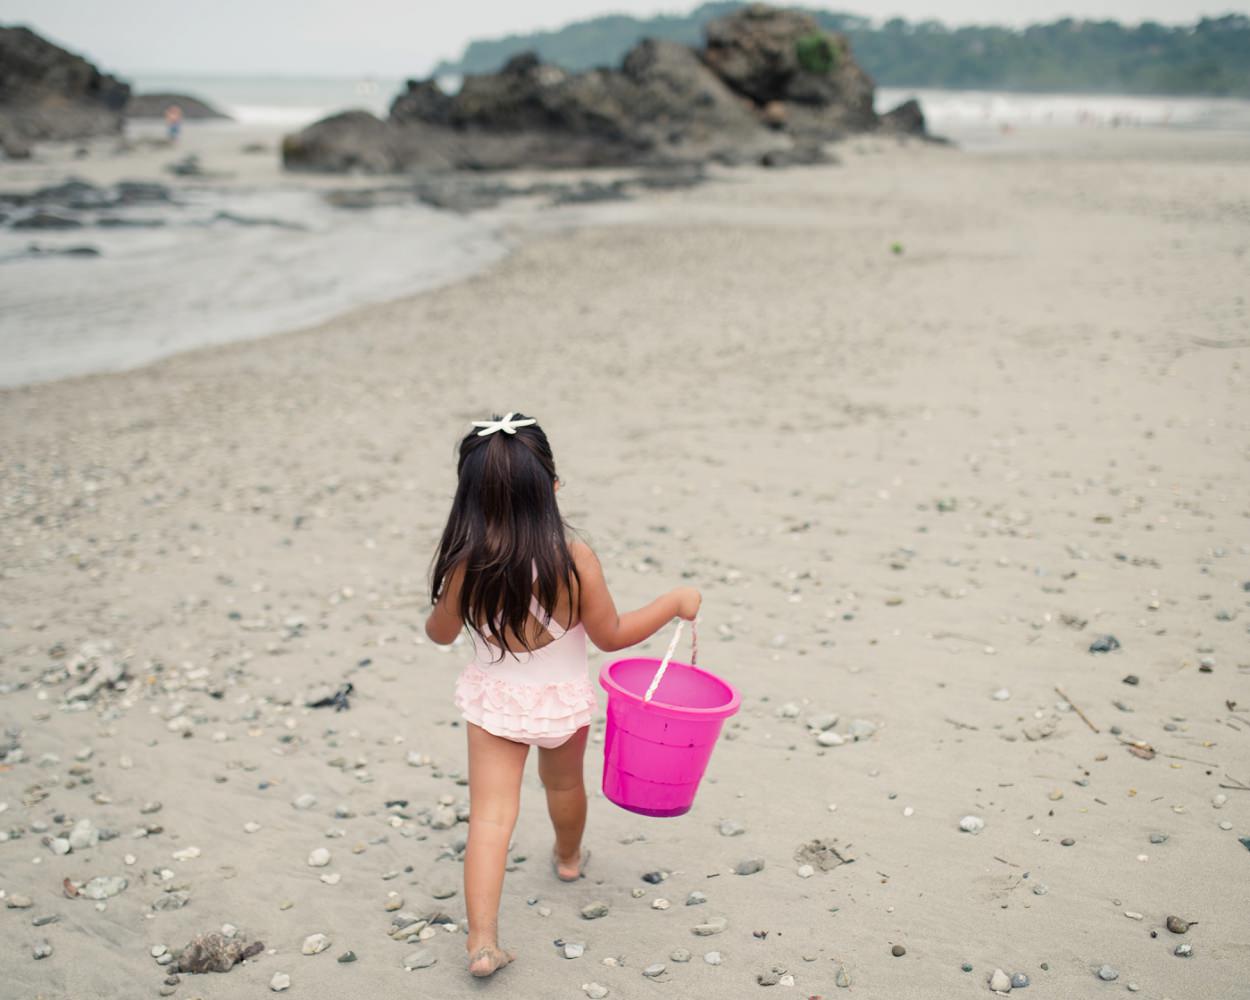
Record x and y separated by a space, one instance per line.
561 773
495 769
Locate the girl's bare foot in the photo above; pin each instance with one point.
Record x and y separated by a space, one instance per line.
488 960
570 870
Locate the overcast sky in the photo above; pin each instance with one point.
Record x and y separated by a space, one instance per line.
406 37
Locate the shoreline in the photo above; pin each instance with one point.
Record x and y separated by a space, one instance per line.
494 233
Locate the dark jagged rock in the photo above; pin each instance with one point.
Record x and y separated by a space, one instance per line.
46 220
215 952
155 106
905 119
769 86
771 55
49 93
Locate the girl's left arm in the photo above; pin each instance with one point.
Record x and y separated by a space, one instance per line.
444 623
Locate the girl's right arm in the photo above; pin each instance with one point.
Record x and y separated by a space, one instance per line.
612 631
444 623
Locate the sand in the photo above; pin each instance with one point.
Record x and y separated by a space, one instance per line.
906 482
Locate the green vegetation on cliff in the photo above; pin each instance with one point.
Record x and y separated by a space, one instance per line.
1209 57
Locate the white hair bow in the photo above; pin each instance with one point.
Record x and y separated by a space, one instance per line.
507 425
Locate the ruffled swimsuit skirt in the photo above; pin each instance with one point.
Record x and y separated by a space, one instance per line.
540 698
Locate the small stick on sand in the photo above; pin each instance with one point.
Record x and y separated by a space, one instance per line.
1084 717
1237 784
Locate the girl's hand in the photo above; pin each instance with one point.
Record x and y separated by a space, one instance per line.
689 600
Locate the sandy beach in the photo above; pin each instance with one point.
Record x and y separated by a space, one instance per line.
923 427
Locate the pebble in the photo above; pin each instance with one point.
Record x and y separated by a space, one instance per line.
712 958
1218 801
595 991
731 828
749 867
861 729
157 950
1225 825
319 858
660 904
1104 644
305 801
42 950
806 871
829 739
314 944
820 723
1108 974
251 826
422 958
966 967
654 878
1158 838
347 957
1000 982
770 978
574 949
18 902
842 978
1019 981
696 898
1183 951
1067 842
680 955
103 887
972 824
280 981
898 951
656 969
1177 926
593 911
714 926
1002 694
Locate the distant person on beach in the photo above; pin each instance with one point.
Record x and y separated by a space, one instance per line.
173 121
530 593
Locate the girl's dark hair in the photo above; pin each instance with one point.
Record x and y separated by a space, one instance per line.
505 524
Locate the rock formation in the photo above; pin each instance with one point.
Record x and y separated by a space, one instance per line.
49 93
769 86
154 105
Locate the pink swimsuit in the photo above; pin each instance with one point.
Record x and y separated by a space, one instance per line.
540 698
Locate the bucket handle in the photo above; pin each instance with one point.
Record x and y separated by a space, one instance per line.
668 655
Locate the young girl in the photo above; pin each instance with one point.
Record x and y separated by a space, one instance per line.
530 595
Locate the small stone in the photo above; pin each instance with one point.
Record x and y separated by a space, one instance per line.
394 901
157 950
1104 644
1019 981
595 991
898 951
770 978
696 898
280 981
1132 680
443 891
42 949
731 828
319 858
842 978
749 867
251 826
829 739
1067 842
1219 801
422 958
660 904
1108 974
103 887
1134 915
654 878
314 944
347 957
712 958
574 949
861 729
805 871
788 711
305 801
593 911
637 893
18 902
820 723
1000 982
713 926
1177 926
972 824
966 967
654 970
443 818
680 955
1002 694
1041 889
1225 825
1158 838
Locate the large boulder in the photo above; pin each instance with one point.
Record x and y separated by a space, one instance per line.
770 55
49 93
905 119
352 141
155 106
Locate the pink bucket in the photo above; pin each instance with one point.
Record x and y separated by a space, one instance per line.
655 752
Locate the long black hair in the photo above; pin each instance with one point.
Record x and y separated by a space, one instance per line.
504 525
